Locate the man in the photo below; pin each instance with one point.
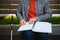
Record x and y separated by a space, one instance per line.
31 11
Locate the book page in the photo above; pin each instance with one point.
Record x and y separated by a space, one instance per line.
27 26
44 27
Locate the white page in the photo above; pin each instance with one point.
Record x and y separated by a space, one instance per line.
27 26
44 27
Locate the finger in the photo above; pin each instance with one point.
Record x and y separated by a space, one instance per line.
30 22
21 23
24 23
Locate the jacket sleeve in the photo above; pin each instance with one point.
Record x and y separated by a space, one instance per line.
19 11
47 12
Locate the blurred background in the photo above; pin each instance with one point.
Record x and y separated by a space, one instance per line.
8 13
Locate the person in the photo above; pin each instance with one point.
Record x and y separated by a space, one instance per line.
31 11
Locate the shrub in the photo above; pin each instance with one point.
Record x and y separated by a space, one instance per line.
54 20
8 20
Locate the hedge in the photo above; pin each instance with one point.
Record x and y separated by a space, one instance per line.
8 20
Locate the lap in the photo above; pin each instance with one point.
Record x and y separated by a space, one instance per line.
40 36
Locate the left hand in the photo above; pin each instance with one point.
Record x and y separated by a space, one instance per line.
32 20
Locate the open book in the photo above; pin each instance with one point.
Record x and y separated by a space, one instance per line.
44 27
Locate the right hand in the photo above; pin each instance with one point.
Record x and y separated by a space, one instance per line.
22 22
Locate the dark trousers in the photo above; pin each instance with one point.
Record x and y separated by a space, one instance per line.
29 35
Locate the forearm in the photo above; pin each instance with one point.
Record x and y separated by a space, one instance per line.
43 17
19 11
46 12
19 15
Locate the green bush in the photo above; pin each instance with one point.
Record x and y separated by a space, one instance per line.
8 20
54 20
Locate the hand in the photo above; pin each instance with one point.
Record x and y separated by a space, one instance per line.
32 20
22 22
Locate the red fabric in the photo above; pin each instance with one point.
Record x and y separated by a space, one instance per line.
32 9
